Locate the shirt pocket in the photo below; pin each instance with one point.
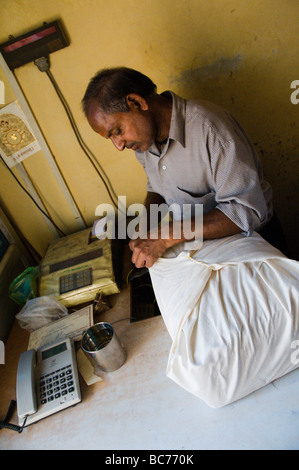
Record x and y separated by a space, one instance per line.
207 200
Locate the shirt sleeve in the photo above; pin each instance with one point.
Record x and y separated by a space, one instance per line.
238 181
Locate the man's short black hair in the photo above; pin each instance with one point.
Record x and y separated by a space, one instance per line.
110 87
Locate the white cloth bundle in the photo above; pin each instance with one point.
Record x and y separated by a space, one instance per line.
231 309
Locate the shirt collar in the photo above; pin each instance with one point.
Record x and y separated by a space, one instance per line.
177 122
178 118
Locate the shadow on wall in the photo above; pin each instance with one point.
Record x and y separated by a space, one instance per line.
261 102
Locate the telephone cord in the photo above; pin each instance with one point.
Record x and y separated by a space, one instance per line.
12 427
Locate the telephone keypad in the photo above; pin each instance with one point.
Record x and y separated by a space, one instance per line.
58 383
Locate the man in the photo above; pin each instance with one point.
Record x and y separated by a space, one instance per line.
193 152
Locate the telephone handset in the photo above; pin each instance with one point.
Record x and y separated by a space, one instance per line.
47 381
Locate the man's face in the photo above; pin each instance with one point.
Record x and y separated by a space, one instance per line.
134 130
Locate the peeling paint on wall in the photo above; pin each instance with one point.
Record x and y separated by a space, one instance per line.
223 65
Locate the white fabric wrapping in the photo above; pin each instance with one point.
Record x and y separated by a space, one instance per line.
231 309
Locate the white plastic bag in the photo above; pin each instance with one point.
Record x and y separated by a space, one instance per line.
39 312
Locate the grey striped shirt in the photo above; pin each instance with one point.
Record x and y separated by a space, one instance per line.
208 159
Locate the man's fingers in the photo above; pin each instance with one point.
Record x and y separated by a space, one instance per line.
135 255
140 254
146 252
132 244
142 257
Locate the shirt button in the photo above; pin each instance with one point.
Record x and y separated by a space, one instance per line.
164 167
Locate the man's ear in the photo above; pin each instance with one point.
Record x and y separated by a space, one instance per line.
135 101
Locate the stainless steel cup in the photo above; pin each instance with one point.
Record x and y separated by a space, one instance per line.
103 347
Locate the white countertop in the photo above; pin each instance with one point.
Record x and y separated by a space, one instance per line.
138 407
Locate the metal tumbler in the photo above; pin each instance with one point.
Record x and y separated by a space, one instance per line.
103 347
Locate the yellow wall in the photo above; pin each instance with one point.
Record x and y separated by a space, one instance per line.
240 54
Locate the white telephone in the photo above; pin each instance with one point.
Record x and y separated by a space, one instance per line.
47 381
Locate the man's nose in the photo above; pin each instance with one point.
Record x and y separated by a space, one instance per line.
118 142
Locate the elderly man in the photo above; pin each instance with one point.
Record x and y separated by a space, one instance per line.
193 152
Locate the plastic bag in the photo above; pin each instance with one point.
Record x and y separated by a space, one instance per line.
24 286
39 312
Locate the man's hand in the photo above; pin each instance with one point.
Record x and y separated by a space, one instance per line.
146 251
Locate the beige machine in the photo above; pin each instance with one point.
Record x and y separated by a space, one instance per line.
77 267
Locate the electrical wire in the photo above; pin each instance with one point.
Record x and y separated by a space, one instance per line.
80 140
28 194
82 144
